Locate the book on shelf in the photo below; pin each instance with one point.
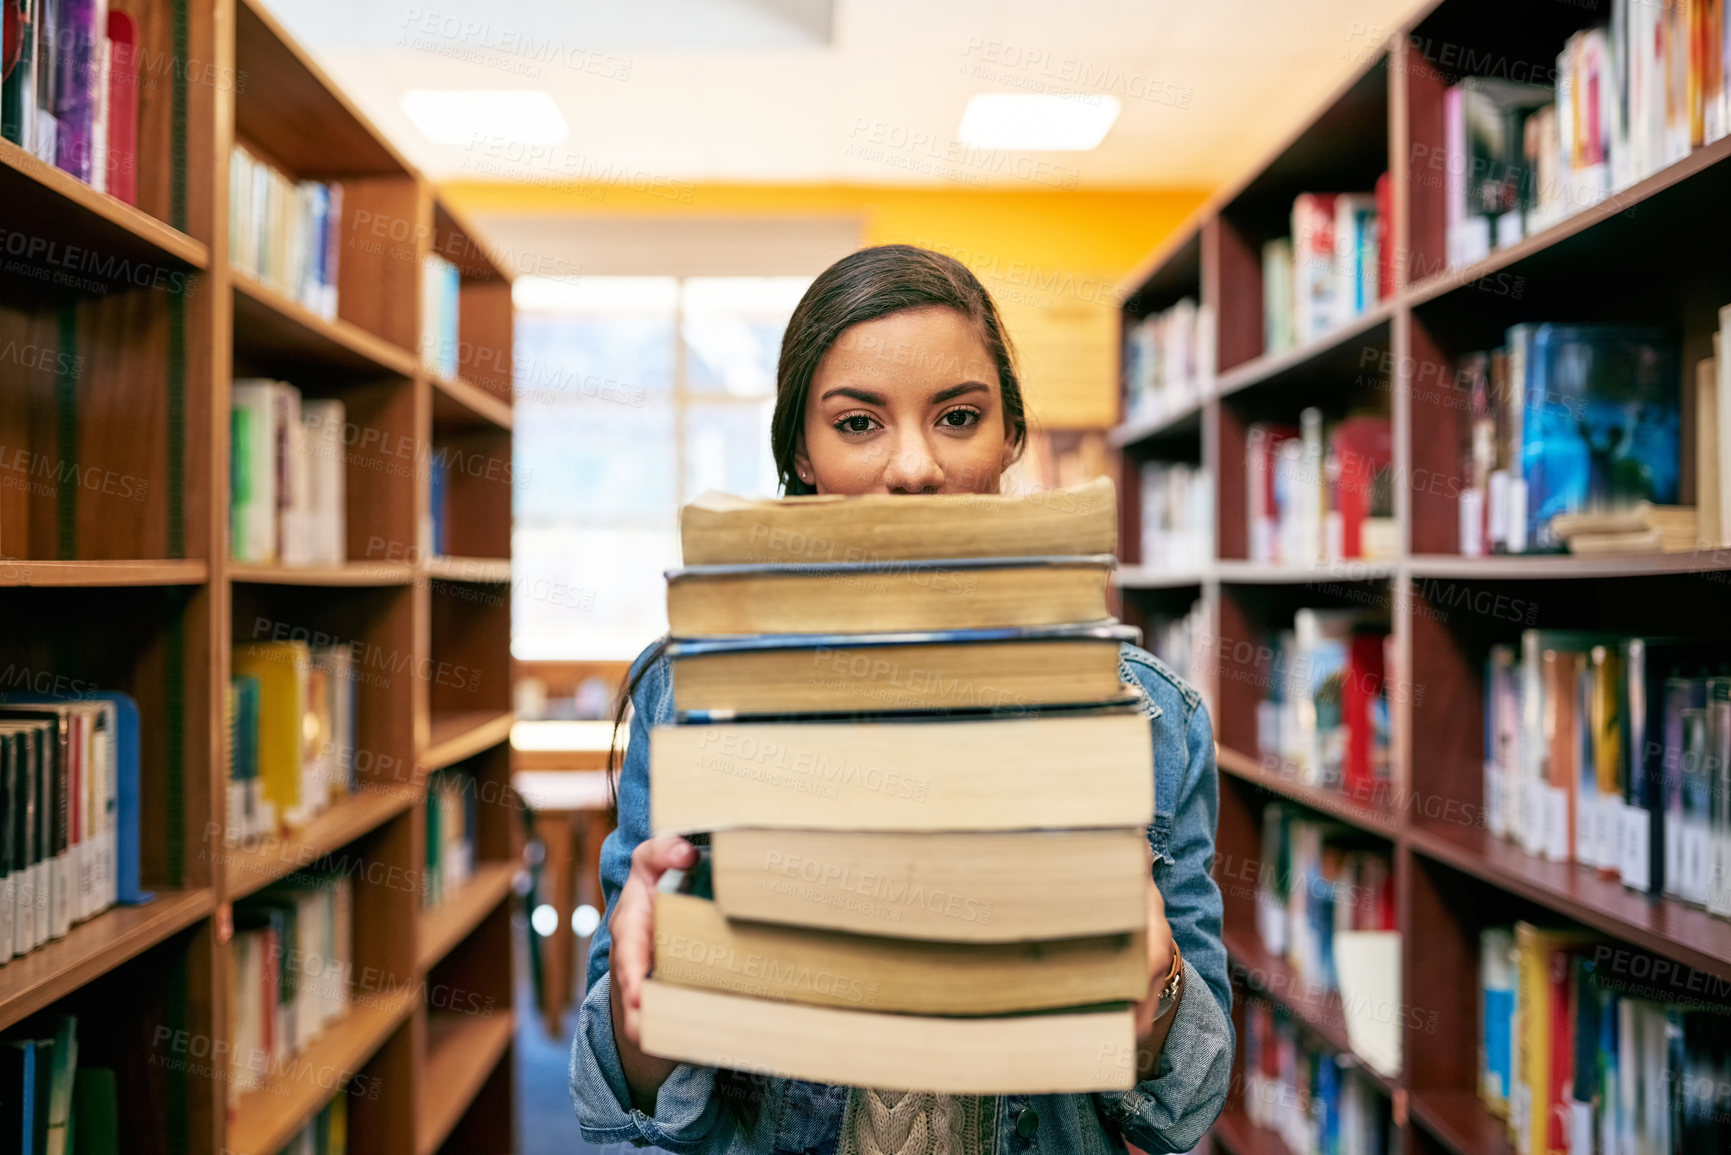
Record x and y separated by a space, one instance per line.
1182 642
1168 361
1177 516
304 734
1322 880
68 814
1612 753
287 498
1337 266
1575 1063
863 832
1632 96
441 296
1277 288
1313 1098
327 1133
38 1072
1567 419
1005 670
288 975
1327 713
450 833
1319 491
285 233
70 96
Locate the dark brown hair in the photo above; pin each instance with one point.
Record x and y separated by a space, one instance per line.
864 286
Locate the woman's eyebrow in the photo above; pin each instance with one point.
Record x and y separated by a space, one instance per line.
859 395
953 391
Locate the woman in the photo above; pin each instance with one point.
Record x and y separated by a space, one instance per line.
896 377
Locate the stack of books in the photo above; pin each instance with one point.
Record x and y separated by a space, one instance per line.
288 488
925 791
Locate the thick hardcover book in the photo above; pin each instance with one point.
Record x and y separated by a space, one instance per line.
1005 671
1071 770
947 886
1049 1053
874 597
697 946
718 529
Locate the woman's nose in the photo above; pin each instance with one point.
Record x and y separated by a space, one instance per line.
913 469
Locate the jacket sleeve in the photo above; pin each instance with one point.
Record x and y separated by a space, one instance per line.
1171 1111
685 1106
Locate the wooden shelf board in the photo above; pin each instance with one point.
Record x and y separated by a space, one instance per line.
482 570
300 116
1320 1011
59 204
1330 802
1138 577
1185 422
353 573
460 405
1240 1136
1460 1122
1240 572
1664 926
463 734
462 1051
1469 276
269 324
448 216
268 1116
25 572
30 982
1303 358
251 867
444 926
1551 566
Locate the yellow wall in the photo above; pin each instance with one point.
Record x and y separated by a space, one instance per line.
1052 260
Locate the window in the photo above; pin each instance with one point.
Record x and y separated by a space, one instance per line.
634 395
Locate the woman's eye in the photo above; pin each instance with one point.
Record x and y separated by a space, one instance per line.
855 423
959 418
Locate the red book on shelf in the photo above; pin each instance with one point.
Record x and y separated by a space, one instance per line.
1360 709
1562 1071
123 107
1363 450
1384 238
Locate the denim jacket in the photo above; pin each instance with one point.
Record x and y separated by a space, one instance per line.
1167 1113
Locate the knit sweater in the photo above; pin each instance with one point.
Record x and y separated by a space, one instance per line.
915 1123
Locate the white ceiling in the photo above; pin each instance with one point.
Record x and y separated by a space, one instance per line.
865 92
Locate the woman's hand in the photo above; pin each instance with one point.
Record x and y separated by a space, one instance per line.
633 952
1151 1035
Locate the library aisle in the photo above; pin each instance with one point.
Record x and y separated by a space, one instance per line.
357 362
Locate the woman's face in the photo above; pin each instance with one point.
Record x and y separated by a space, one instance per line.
908 403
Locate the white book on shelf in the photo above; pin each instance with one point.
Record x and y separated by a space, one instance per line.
323 423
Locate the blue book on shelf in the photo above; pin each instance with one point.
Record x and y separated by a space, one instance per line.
1601 420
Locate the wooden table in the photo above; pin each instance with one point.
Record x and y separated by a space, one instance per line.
560 771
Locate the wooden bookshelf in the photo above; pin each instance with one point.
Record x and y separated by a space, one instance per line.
128 583
1650 252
